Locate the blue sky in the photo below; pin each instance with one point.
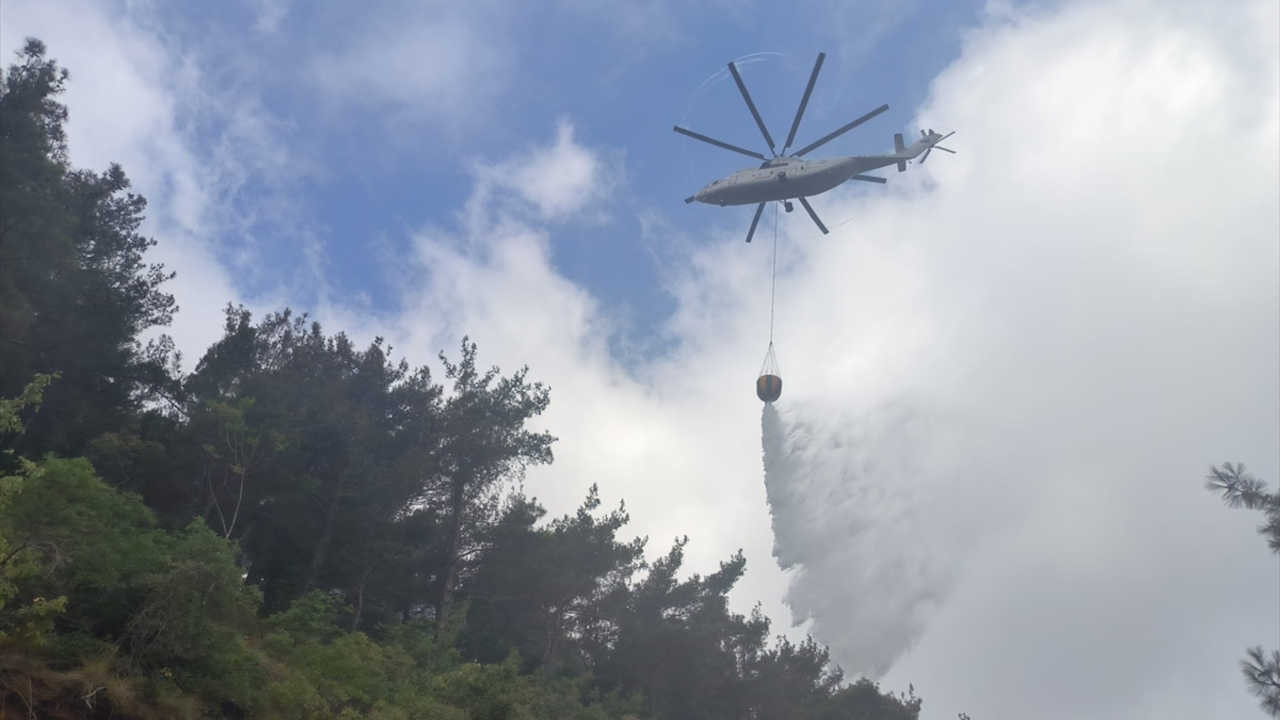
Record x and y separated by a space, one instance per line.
378 164
1006 370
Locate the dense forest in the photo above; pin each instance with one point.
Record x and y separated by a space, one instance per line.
299 527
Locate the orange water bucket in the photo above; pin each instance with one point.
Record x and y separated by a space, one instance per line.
769 387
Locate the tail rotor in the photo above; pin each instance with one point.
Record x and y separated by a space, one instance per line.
933 138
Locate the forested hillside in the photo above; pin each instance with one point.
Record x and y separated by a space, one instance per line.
299 527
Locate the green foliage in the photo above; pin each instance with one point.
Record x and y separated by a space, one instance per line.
31 396
347 671
539 589
157 460
310 453
31 622
73 536
175 601
500 692
194 616
322 671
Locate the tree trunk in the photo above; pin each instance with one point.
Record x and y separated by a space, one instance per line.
321 552
554 632
450 554
364 578
235 515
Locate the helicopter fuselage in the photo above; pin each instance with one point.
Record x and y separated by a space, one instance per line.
788 178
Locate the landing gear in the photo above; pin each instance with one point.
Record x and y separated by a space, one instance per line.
786 205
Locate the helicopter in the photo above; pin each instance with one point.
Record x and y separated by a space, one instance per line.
784 177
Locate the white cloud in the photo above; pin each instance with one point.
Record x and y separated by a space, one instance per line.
438 63
270 14
1094 308
557 182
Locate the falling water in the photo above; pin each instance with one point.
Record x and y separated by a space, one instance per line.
846 510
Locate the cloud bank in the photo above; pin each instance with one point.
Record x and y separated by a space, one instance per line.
1082 308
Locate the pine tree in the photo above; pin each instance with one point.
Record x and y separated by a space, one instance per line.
1240 489
75 292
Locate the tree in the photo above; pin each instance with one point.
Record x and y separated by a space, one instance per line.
483 440
540 590
1240 489
75 292
313 452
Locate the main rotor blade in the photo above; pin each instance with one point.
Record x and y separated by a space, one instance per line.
717 143
841 131
804 101
869 178
813 215
752 107
754 220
